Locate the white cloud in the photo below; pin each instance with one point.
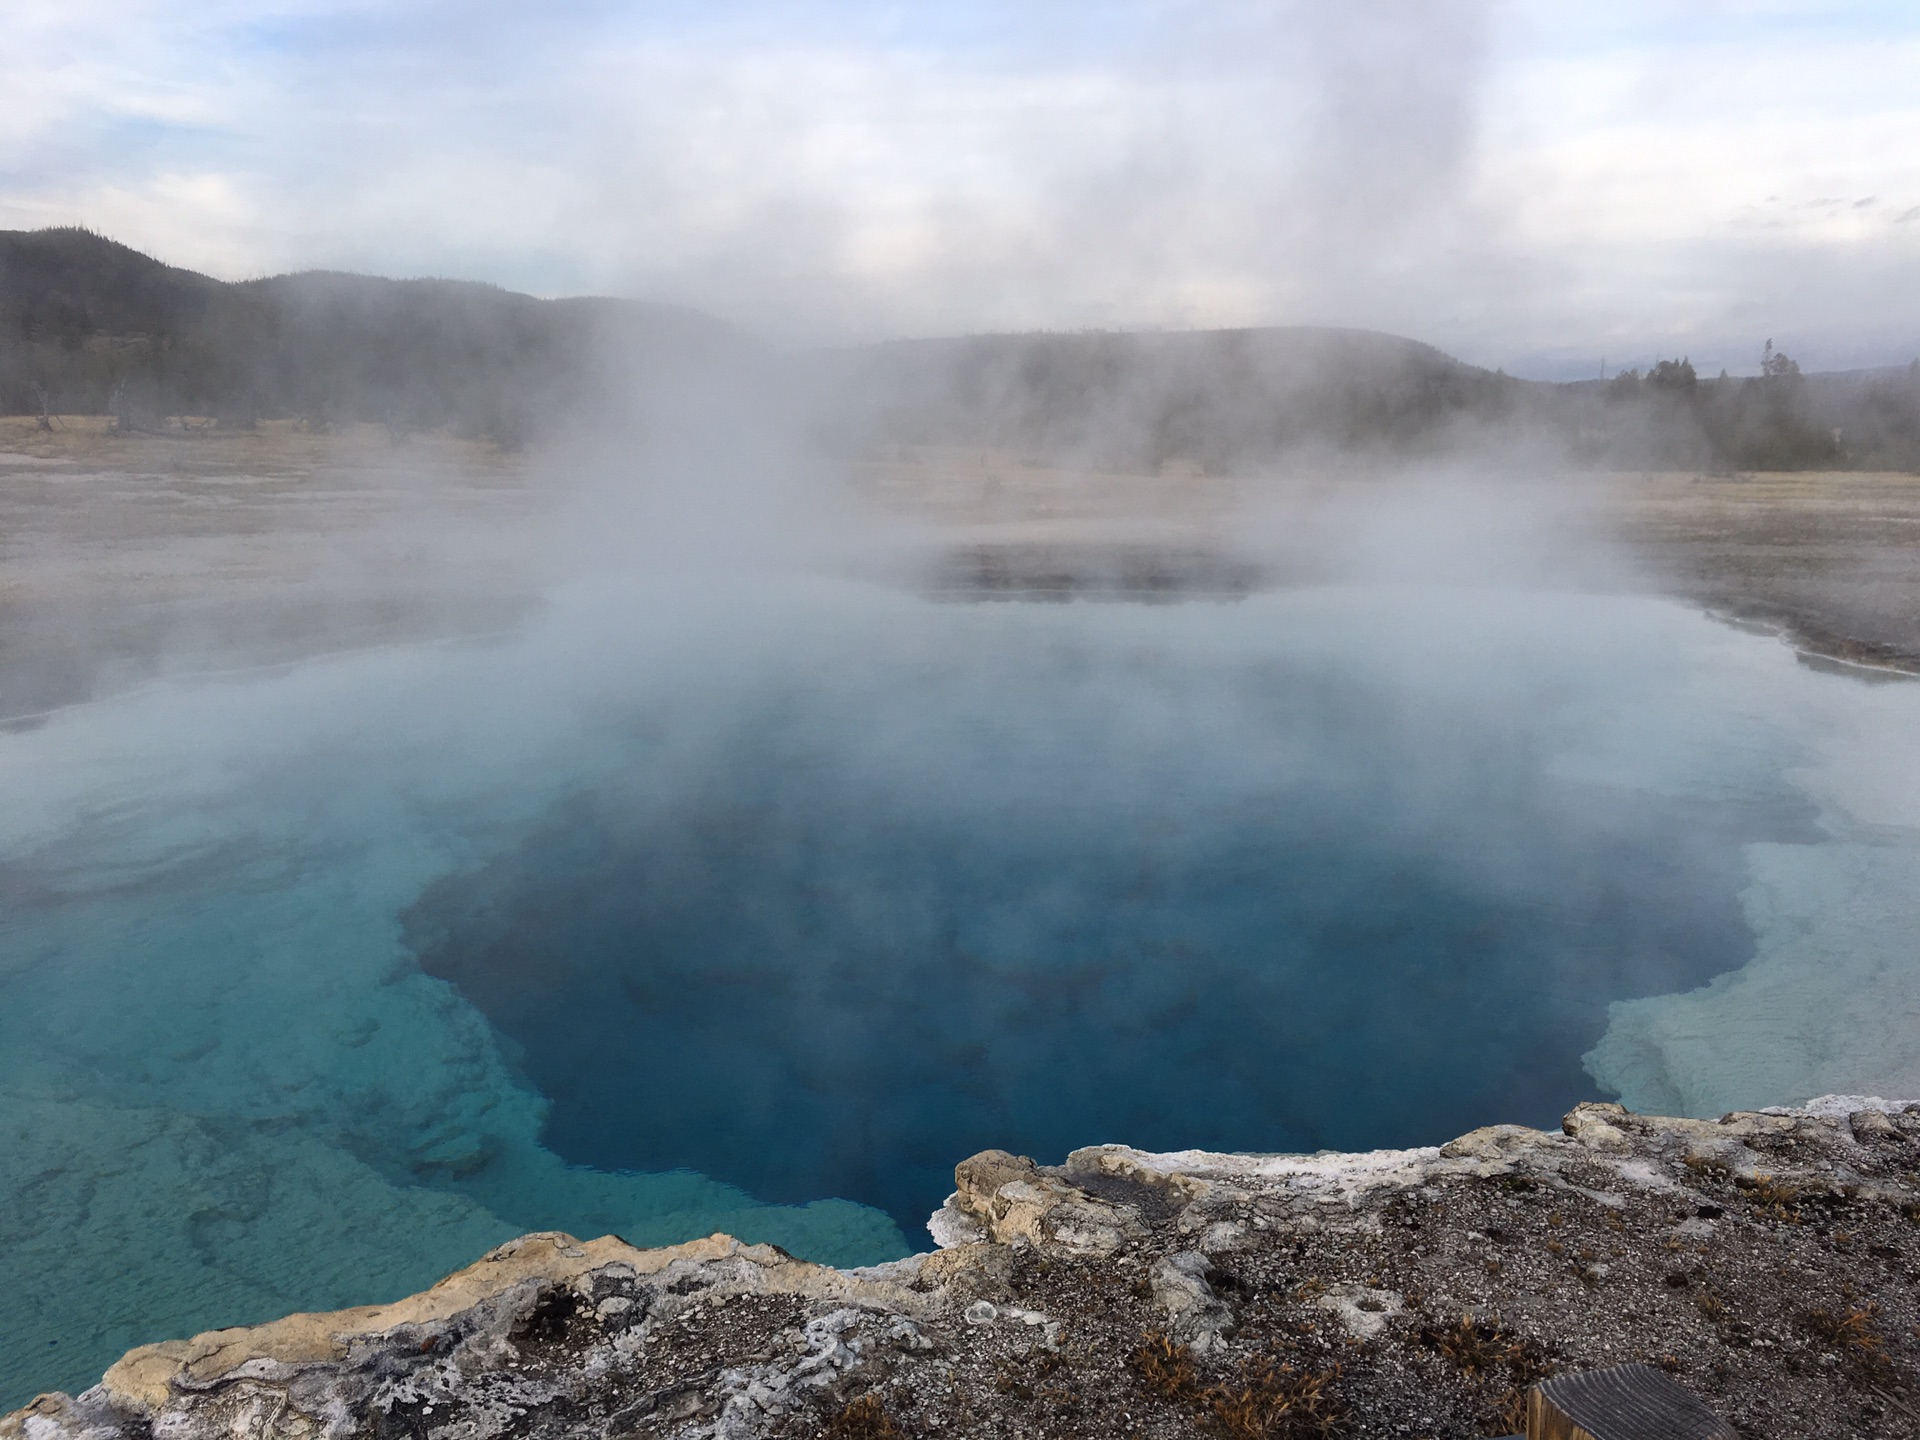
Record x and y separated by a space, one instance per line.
1520 180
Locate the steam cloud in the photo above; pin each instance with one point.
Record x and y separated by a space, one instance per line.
227 888
1534 186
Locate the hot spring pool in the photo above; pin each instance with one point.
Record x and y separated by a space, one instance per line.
757 910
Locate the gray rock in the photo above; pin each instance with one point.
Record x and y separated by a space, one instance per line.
1196 1316
1378 1265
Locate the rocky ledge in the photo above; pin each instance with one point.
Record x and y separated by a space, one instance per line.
1769 1261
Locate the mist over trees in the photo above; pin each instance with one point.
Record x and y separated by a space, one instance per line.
1219 400
88 326
1239 400
98 328
1780 419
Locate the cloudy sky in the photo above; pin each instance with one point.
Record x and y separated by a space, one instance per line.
1528 183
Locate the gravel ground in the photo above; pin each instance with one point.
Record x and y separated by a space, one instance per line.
1767 1261
125 557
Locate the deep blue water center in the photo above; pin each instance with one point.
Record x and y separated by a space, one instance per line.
863 929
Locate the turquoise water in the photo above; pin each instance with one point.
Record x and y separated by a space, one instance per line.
756 911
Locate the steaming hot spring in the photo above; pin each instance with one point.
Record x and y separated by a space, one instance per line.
755 910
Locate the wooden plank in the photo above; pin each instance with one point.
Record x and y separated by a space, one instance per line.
1623 1402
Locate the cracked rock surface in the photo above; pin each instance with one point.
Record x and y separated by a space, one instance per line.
1770 1261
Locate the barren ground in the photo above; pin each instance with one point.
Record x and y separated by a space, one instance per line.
123 558
1832 559
1767 1262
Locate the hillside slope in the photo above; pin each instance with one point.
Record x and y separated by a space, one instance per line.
1219 399
90 326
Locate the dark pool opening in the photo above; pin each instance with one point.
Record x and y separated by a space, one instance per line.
834 952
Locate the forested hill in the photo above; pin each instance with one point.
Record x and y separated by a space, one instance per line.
1240 400
91 326
1222 400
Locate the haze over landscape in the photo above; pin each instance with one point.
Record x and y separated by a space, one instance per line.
1527 185
650 620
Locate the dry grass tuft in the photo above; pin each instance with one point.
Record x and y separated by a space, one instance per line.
1851 1331
1275 1401
1270 1399
1489 1353
1165 1368
1775 1199
1705 1167
1475 1346
1510 1410
864 1419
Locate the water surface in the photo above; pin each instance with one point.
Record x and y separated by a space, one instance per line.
757 909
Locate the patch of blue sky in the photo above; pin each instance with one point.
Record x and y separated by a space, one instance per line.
963 29
969 25
105 145
1652 25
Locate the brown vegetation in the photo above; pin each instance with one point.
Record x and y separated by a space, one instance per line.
1266 1399
863 1419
